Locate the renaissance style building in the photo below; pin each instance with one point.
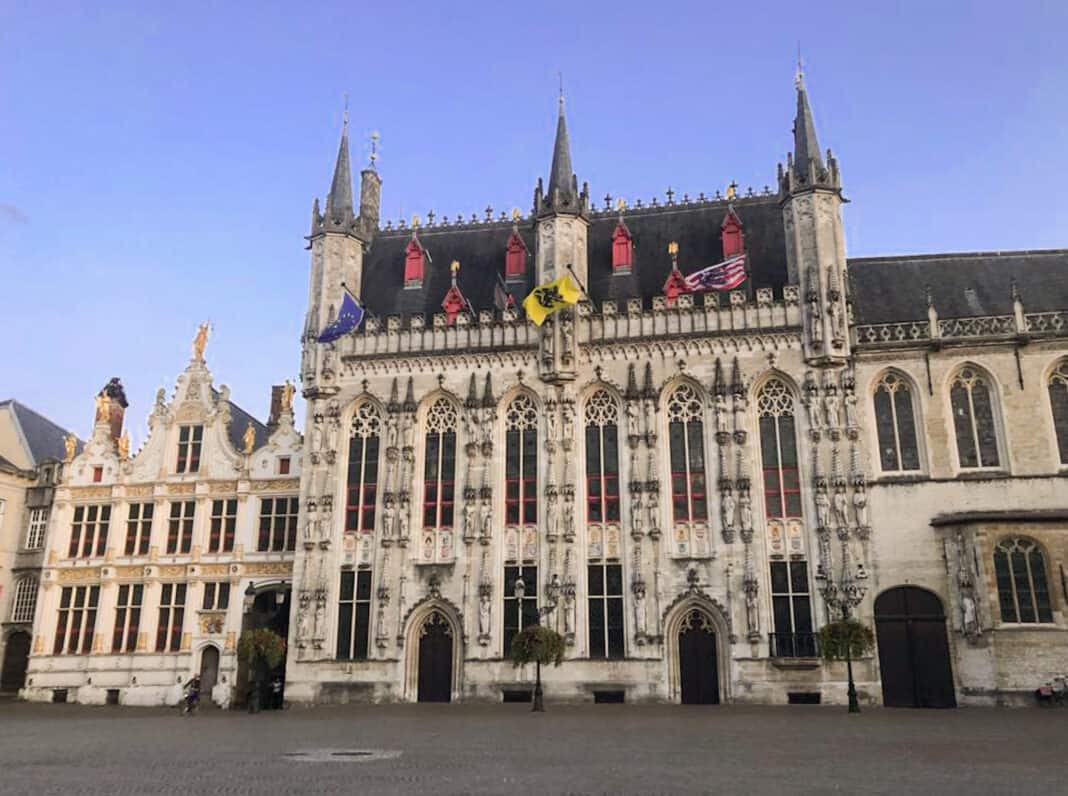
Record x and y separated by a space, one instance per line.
686 487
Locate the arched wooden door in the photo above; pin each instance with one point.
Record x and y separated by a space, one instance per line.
16 658
698 667
910 626
435 660
209 672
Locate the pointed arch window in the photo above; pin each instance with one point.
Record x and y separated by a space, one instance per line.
1023 590
362 482
972 402
602 458
439 470
414 263
521 461
778 450
515 257
895 423
622 249
686 442
1058 399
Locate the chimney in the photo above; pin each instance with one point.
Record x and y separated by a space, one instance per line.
370 201
117 404
276 406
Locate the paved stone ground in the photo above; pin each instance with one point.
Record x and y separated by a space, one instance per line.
505 749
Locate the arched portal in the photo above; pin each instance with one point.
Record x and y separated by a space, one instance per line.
267 606
435 659
209 671
910 627
698 665
16 658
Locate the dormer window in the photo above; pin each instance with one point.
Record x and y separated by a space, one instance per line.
622 249
731 235
283 465
515 259
189 441
414 264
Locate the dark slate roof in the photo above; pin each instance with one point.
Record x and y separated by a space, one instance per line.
45 438
894 289
480 248
239 419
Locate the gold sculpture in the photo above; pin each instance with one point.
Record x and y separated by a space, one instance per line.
70 445
249 438
732 191
200 342
287 396
516 215
124 446
103 407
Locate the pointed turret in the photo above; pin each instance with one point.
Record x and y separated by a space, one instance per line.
339 209
805 167
562 195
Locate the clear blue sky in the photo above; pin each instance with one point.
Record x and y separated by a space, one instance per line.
158 160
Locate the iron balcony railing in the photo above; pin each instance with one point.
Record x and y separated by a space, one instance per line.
794 645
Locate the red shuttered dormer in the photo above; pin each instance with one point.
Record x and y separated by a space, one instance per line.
414 263
515 258
731 235
622 249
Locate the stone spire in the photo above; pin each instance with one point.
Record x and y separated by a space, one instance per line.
806 145
339 209
563 194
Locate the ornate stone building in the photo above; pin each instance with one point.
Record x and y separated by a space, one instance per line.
687 487
687 490
157 559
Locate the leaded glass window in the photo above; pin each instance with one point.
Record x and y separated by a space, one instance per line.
686 440
521 462
1058 399
362 490
439 471
605 586
895 423
973 419
602 457
778 448
354 615
1023 591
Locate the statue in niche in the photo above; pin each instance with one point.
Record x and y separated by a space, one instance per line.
745 510
403 520
484 614
860 504
831 401
815 319
823 506
320 614
469 519
721 414
552 514
317 437
486 518
551 420
752 615
569 610
389 514
653 502
568 412
739 412
407 430
835 311
309 529
569 520
812 401
636 521
841 506
851 409
567 336
969 614
639 608
548 339
302 617
726 508
633 419
391 430
380 622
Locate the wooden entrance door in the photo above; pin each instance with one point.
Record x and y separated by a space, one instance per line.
910 627
698 669
16 658
209 672
435 660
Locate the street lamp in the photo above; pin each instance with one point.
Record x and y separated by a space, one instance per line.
845 596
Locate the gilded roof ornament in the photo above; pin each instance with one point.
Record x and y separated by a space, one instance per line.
200 342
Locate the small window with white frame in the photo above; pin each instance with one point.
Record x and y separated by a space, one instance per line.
35 529
25 600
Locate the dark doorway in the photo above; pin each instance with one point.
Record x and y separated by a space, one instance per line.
698 670
270 609
910 627
209 672
16 658
435 660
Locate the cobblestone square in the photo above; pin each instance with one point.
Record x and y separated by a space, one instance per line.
505 749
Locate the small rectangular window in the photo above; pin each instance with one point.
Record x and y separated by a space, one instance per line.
127 617
190 439
89 531
76 620
180 527
171 616
139 528
278 524
98 475
283 465
223 525
216 596
35 532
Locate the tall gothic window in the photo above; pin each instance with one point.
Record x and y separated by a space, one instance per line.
354 615
1058 399
521 462
439 470
896 425
520 606
1023 591
973 419
606 610
778 450
362 489
602 458
792 610
686 438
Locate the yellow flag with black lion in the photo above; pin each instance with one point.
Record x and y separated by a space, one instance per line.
549 297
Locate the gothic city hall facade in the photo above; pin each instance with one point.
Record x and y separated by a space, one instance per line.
685 485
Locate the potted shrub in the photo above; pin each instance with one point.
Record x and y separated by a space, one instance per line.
261 650
538 645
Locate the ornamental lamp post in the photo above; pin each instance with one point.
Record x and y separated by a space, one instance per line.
844 596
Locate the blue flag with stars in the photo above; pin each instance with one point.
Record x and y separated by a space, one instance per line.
349 318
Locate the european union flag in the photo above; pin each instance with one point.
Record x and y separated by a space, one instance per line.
349 318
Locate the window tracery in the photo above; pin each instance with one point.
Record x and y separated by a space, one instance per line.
1023 591
1058 399
972 404
895 424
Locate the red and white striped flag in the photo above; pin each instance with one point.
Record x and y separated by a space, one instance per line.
726 275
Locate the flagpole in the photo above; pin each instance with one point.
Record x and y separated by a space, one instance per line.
578 281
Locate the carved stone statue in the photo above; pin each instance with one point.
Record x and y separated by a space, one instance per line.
567 410
752 615
969 614
161 399
552 515
841 507
200 342
286 399
726 509
815 325
835 311
633 419
569 610
637 522
739 412
124 446
320 615
469 519
403 520
248 439
484 613
831 402
569 520
389 516
860 505
551 421
391 430
722 420
485 518
639 609
745 511
823 507
302 617
851 410
567 335
548 338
